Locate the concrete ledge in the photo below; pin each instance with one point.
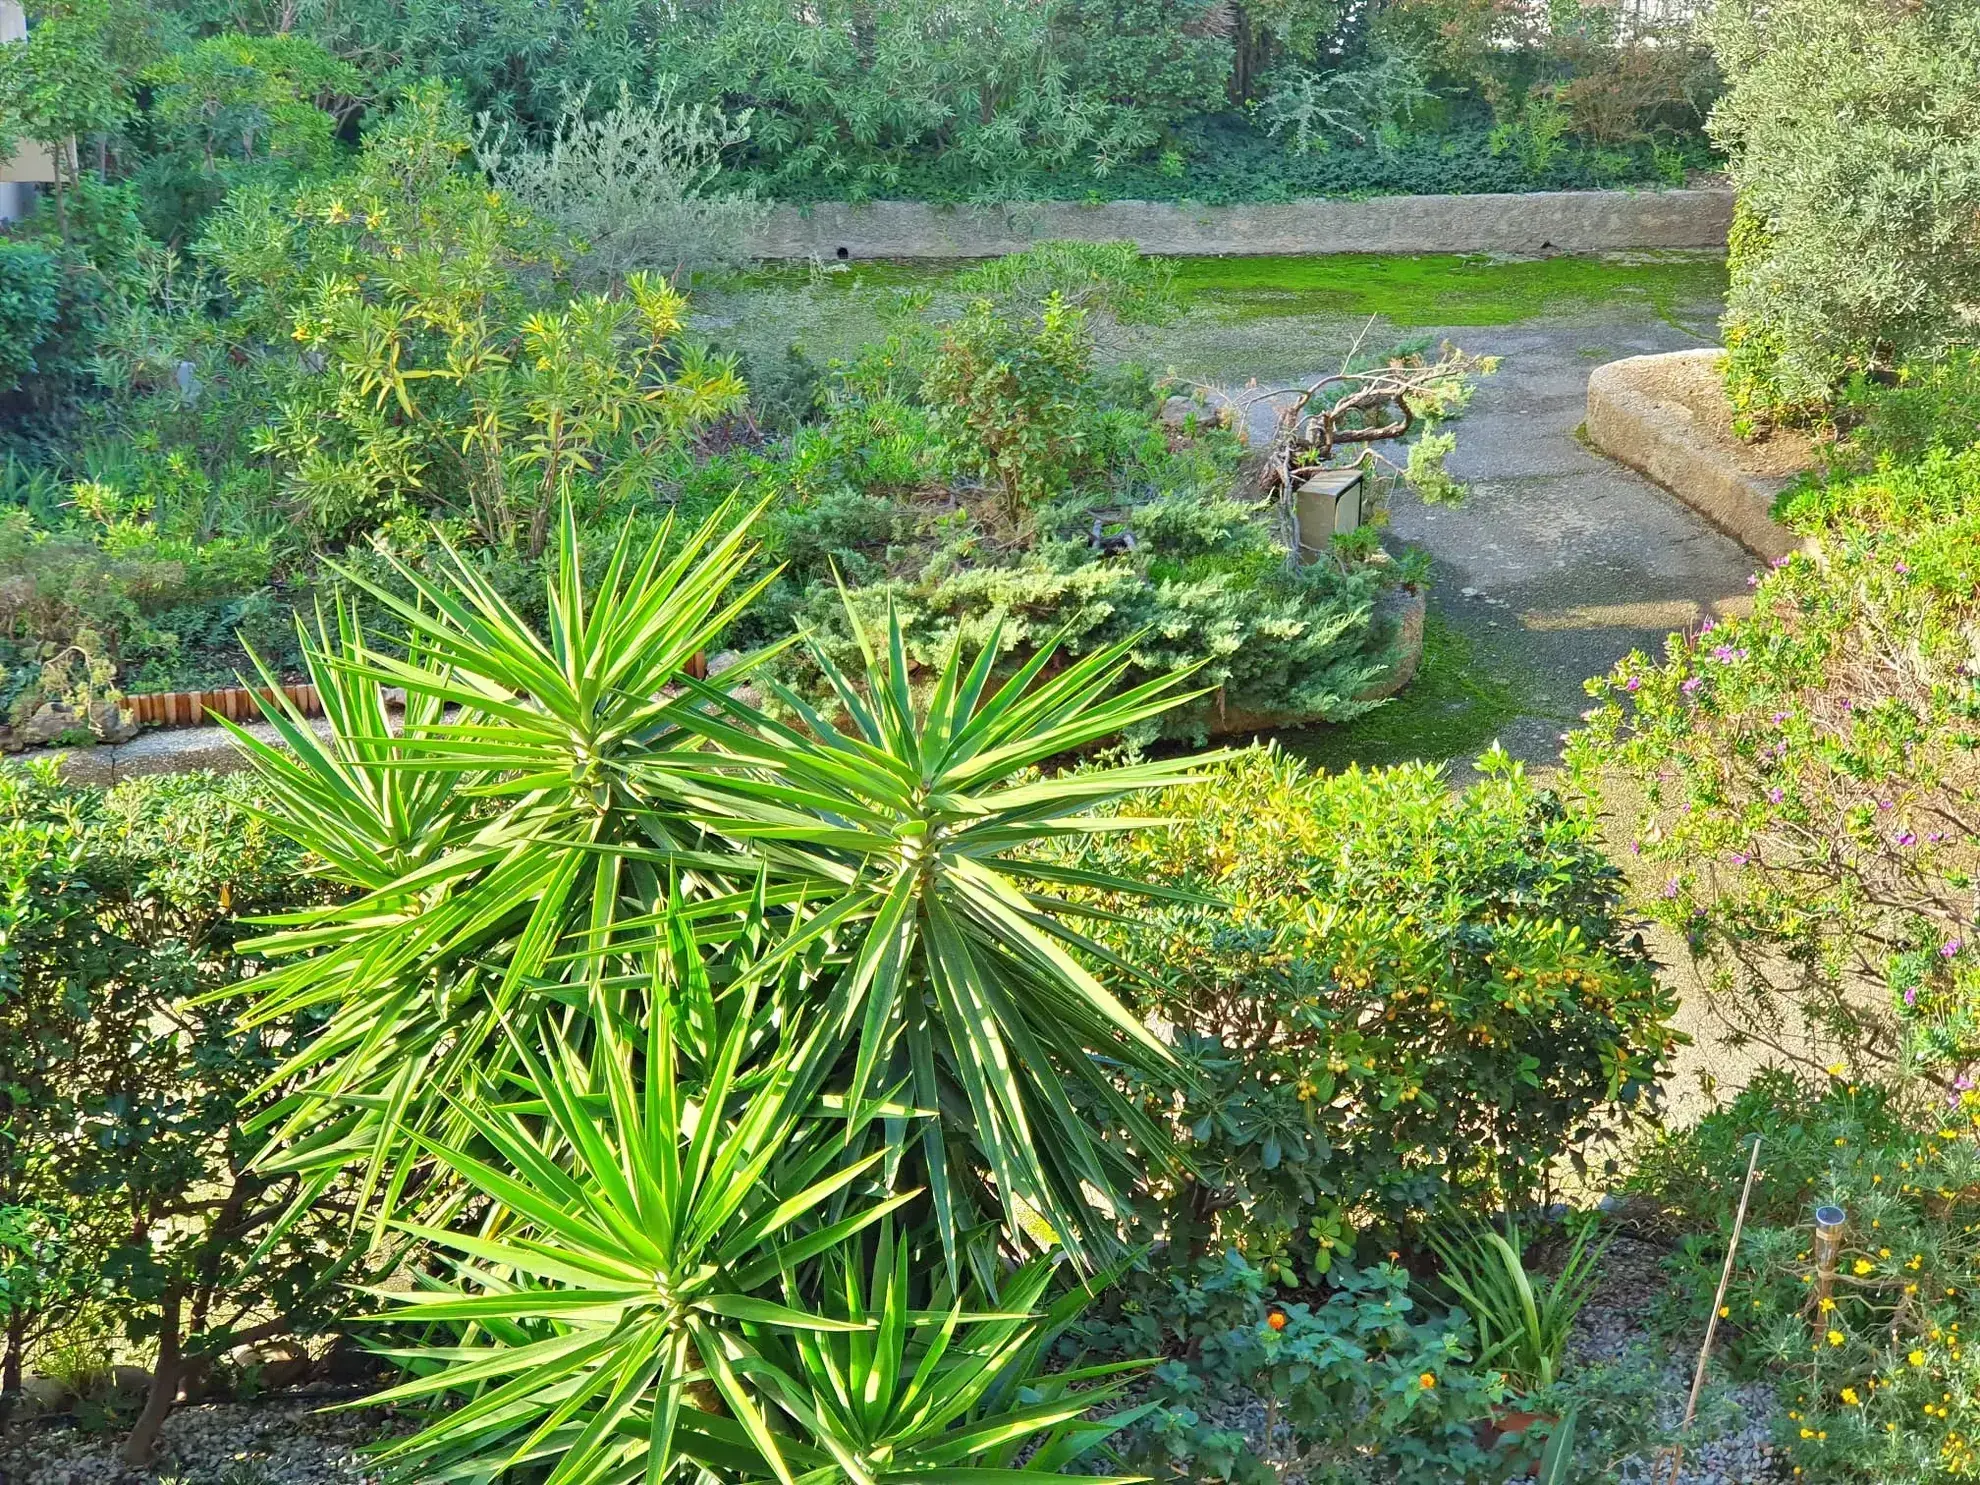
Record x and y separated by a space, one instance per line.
170 750
1667 417
1530 222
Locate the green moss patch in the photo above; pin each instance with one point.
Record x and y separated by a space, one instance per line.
1454 707
1446 288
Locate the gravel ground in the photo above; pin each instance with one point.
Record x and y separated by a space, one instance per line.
280 1441
287 1441
1732 1445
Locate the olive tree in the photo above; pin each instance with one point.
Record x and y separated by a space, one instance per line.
1852 129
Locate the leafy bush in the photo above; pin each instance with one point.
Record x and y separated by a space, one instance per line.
1848 127
29 304
1003 396
1878 1380
1403 998
1362 1375
1809 773
126 1098
390 350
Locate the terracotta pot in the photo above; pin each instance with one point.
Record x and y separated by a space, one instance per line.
1509 1421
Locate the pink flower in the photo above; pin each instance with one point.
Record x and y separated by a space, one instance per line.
1774 796
1631 684
1691 685
1949 948
1905 838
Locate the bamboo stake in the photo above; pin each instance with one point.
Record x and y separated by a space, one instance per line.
1712 1324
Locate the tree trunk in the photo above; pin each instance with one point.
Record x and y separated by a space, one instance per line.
10 1370
164 1383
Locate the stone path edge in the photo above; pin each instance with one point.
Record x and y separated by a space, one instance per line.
1633 422
1524 222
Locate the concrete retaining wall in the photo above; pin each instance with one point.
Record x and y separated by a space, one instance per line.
1534 222
1667 417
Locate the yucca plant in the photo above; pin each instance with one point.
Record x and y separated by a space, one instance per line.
915 816
871 862
672 1282
505 797
1523 1318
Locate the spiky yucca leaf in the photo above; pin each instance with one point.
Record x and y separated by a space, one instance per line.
644 1229
502 913
917 811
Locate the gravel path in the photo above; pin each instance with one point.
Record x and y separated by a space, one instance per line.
1732 1443
277 1441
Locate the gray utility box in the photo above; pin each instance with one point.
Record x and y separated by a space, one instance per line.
1326 506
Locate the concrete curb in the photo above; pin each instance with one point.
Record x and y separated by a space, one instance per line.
170 750
1636 418
1527 222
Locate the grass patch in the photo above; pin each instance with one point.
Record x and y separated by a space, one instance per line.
1446 289
1453 708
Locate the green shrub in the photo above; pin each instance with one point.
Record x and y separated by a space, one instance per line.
1849 127
29 304
1362 1374
1930 404
1880 1385
1004 394
124 1098
1404 997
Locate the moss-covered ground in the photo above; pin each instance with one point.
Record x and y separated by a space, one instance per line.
1446 289
1458 702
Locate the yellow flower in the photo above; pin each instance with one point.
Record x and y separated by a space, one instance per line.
1864 1266
1916 1358
1835 1069
1828 1305
1427 1381
1849 1396
1835 1337
1724 1311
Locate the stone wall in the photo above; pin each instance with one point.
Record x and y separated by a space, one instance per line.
1562 221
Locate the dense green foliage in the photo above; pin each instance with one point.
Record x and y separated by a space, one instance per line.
1849 126
130 1207
1118 529
1401 999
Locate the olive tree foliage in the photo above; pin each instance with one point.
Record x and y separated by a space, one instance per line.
1852 130
641 185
